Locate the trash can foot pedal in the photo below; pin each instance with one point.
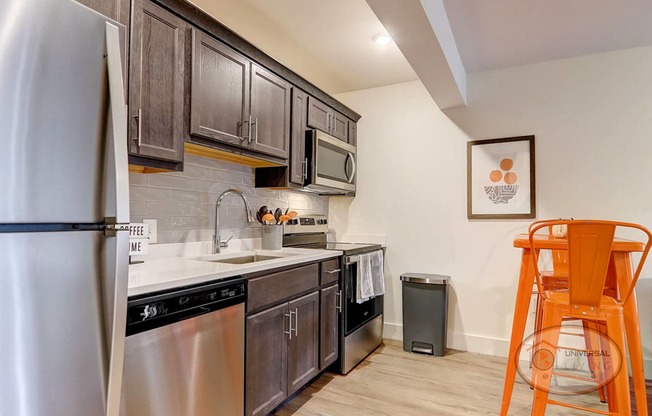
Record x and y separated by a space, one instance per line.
423 348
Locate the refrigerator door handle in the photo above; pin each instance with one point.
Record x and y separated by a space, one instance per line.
115 288
117 167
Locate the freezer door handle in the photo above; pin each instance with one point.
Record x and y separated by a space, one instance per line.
116 165
115 288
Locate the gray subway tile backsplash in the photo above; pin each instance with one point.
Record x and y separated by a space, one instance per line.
184 203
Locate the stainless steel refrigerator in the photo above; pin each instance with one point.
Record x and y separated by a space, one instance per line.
63 195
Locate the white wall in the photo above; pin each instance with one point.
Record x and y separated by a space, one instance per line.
592 118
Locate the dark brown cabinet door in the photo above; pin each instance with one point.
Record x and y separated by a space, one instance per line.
219 108
270 112
319 115
324 118
298 137
353 133
303 347
266 360
117 10
329 342
156 89
339 126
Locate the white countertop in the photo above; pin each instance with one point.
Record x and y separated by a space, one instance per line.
169 272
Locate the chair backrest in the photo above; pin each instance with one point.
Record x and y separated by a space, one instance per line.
559 257
589 253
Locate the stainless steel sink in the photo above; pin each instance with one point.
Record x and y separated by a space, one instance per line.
247 259
244 258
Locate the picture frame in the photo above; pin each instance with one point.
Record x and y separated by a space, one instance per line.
501 178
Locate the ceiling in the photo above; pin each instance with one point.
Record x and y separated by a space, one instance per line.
330 43
493 34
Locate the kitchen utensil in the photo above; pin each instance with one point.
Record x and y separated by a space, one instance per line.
286 211
284 218
277 214
259 217
292 214
263 210
268 219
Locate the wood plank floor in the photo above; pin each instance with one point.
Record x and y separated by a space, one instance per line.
396 383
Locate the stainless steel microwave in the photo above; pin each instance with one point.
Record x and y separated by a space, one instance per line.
331 164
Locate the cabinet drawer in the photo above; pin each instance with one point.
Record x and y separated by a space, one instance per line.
330 271
283 285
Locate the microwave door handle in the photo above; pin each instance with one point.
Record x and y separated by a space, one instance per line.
352 158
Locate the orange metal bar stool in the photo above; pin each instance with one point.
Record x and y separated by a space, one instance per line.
620 276
589 257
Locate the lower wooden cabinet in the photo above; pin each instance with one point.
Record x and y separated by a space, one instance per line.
303 345
329 329
266 360
282 352
290 343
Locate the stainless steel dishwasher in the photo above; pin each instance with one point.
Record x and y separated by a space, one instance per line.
184 353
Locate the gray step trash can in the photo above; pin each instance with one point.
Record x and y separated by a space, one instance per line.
425 313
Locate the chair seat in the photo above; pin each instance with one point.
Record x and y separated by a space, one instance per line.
562 298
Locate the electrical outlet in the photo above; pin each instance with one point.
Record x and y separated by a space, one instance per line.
152 230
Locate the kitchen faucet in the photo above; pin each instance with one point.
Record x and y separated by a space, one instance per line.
217 243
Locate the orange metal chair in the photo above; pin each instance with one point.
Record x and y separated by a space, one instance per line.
557 279
589 252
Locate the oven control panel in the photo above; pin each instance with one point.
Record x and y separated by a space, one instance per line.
304 224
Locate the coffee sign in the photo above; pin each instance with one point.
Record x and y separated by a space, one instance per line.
138 239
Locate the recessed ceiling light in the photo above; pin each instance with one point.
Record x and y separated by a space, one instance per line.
382 39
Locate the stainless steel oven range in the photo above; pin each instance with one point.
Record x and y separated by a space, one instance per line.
361 324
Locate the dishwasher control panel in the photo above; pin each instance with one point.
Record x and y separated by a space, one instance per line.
182 304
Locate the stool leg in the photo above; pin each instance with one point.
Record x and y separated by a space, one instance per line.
616 331
635 355
592 341
545 353
523 297
621 266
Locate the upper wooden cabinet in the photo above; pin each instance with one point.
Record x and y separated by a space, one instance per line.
156 83
324 118
298 163
236 102
340 126
220 91
353 133
270 112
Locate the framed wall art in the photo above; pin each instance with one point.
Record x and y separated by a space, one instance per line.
500 178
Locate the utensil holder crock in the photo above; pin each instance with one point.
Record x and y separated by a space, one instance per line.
272 237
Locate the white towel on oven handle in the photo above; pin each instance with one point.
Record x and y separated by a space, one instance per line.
371 277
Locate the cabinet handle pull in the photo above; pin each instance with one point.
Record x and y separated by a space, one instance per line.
304 168
289 332
139 130
338 301
255 135
296 322
333 271
248 123
330 128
